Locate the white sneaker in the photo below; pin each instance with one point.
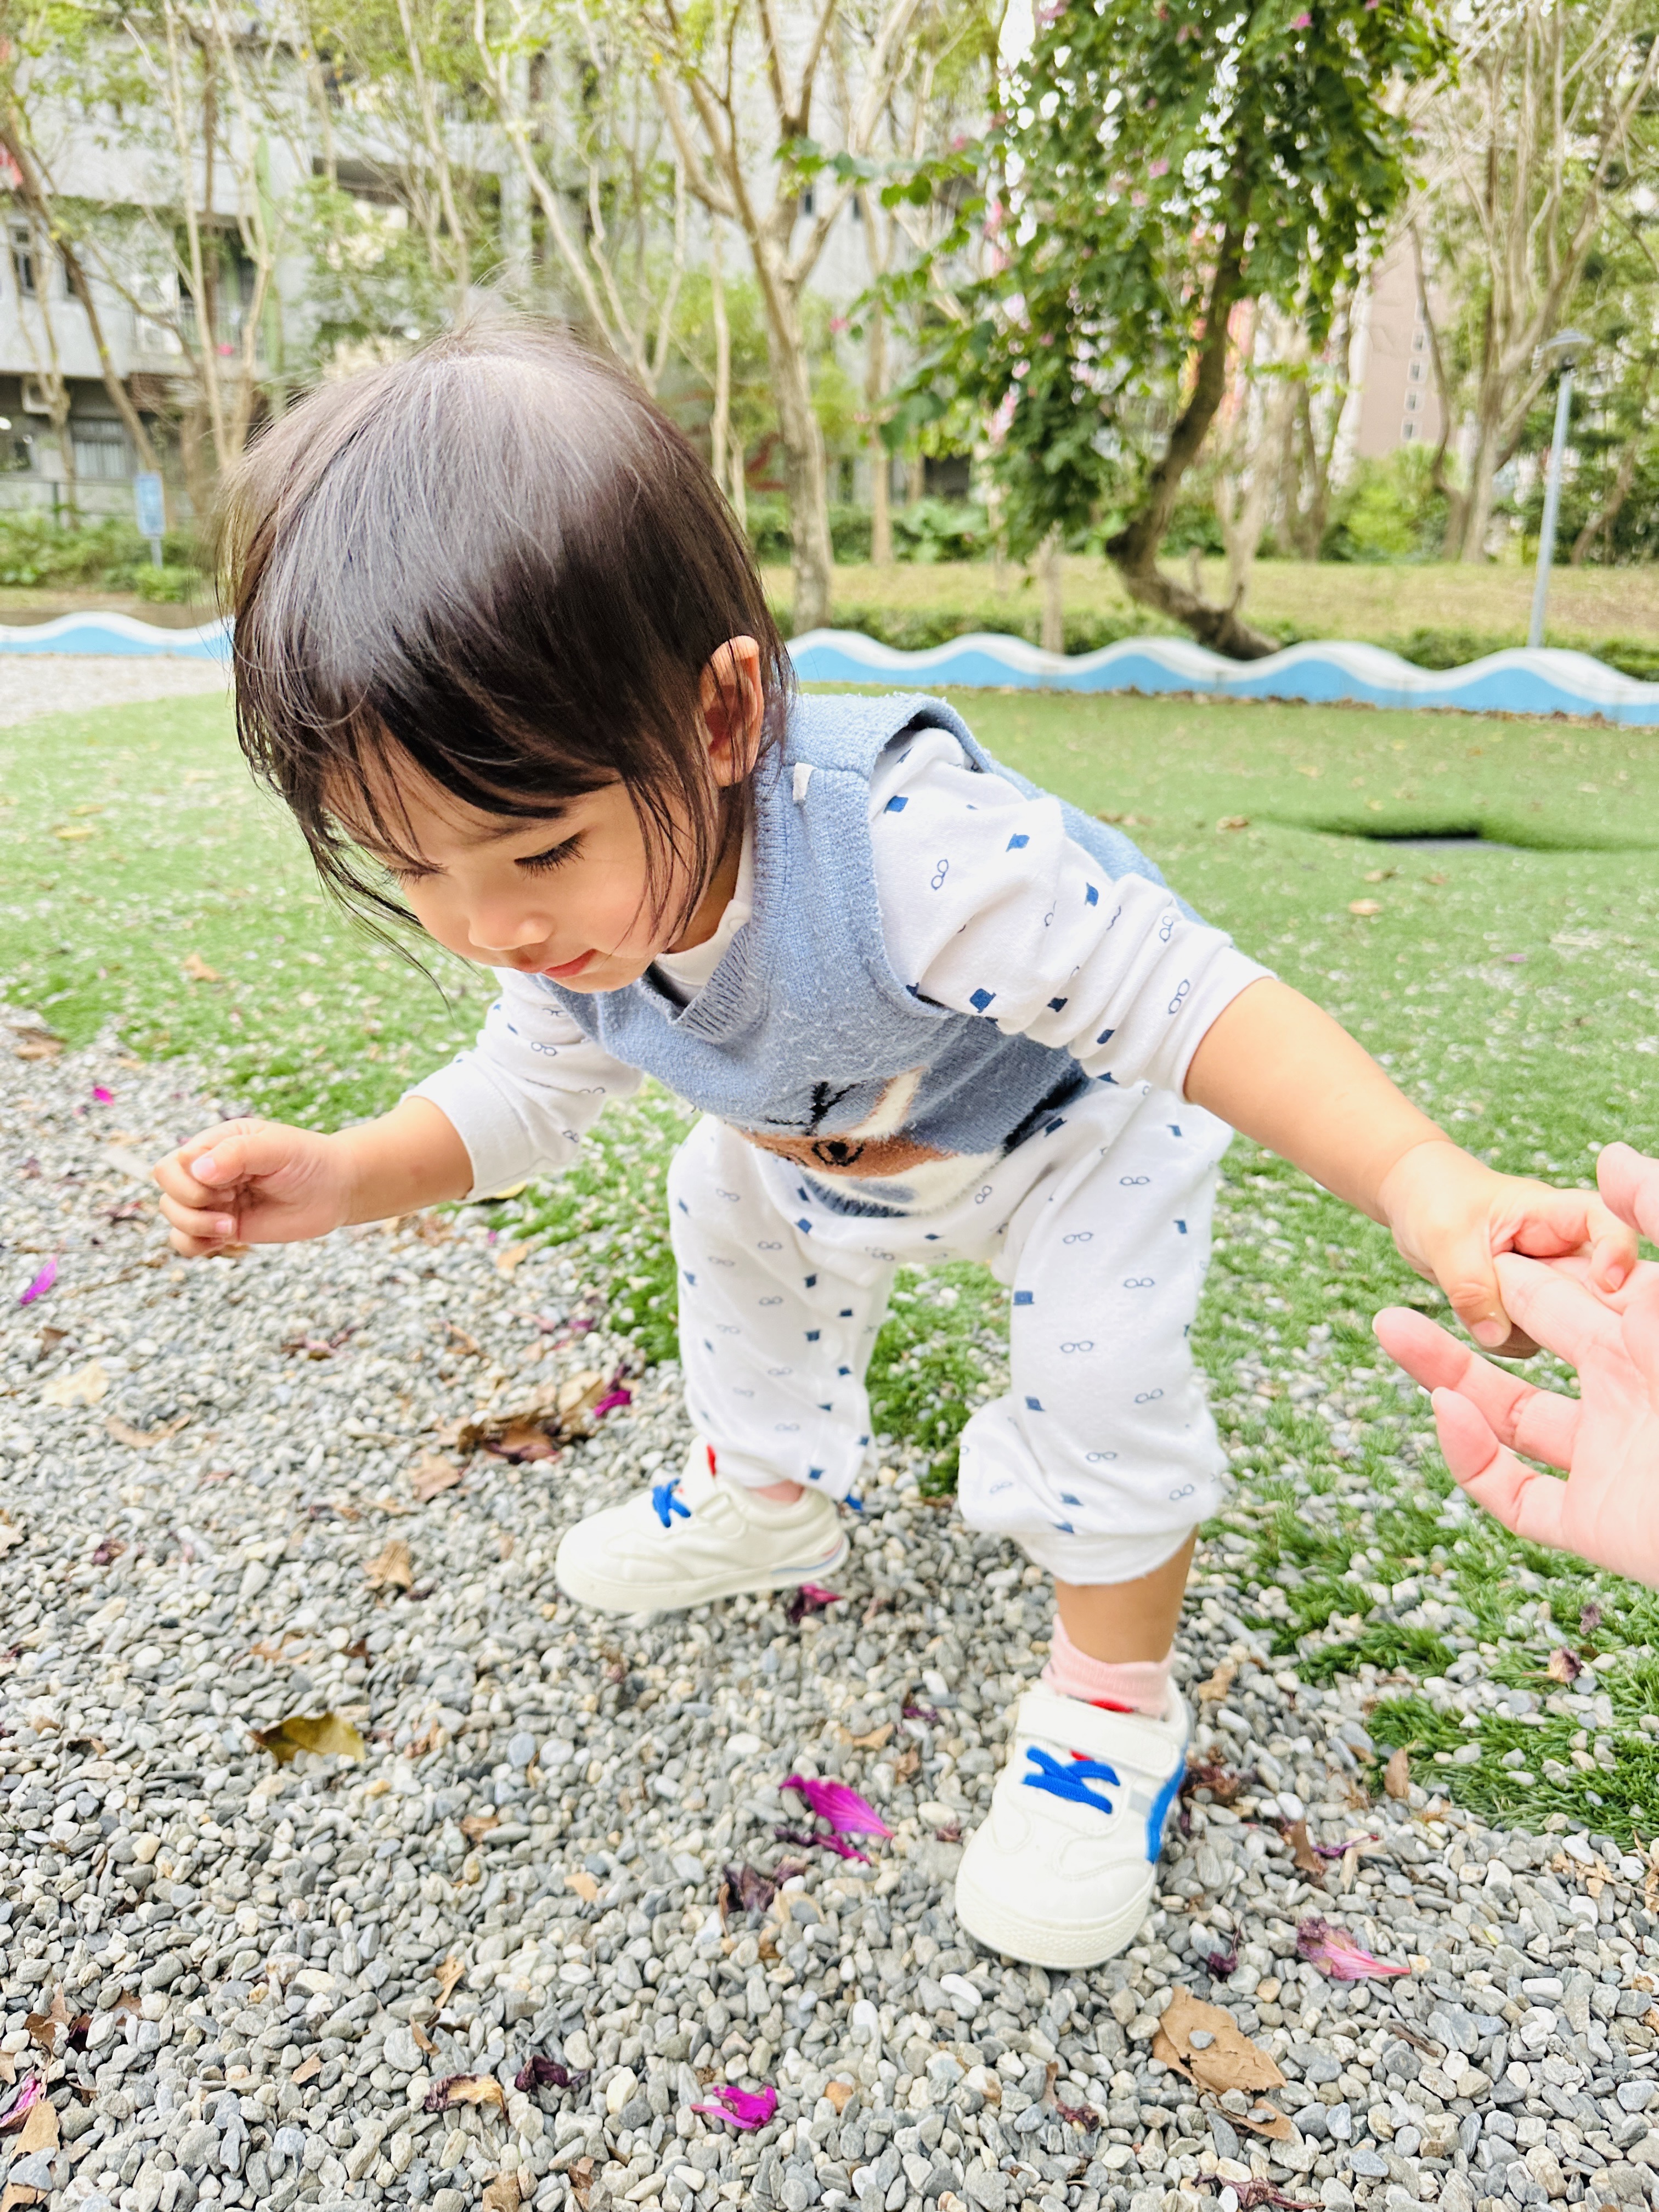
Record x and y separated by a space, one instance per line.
1061 1872
693 1538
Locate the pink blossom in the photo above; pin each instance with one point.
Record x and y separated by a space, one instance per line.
103 1096
847 1814
28 2094
1334 1951
1158 168
744 2108
42 1283
837 324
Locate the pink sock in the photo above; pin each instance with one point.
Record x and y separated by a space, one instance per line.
1127 1686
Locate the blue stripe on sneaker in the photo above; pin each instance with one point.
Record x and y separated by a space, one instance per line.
1157 1819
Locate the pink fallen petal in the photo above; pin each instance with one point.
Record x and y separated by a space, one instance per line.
820 1842
1334 1951
744 2108
847 1814
28 2094
620 1396
42 1283
104 1096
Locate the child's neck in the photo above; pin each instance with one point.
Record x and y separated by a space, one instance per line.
722 890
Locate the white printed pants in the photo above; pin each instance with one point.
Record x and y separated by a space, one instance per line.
1102 1455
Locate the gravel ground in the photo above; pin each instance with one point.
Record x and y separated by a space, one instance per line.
46 683
241 1980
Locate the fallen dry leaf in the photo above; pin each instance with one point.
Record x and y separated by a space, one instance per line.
1397 1774
874 1742
478 1826
8 1534
1304 1856
38 1047
1230 2061
449 1973
1234 822
43 2027
71 831
39 2130
501 2194
17 2196
1565 1666
506 1260
198 971
538 1425
423 2040
392 1568
431 1476
81 1386
840 2093
466 2089
583 1883
325 1734
1212 1691
1365 907
141 1440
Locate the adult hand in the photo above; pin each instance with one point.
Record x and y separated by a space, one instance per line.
1606 1440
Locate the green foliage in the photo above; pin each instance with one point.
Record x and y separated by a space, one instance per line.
36 551
175 583
1388 510
1149 167
924 1377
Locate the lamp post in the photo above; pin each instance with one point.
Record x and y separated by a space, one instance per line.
1566 348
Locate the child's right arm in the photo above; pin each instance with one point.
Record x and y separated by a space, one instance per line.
516 1104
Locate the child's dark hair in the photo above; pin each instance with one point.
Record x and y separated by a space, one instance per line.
500 559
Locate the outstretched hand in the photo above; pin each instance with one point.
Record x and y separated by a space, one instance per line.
1606 1440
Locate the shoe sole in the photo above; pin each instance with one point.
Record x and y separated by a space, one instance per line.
999 1924
606 1596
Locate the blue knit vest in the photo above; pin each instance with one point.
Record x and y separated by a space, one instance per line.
804 1038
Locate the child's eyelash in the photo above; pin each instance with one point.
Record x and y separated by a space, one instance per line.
555 857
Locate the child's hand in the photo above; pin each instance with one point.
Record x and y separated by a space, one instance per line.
254 1183
1451 1217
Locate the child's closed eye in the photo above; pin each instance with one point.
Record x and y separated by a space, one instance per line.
555 857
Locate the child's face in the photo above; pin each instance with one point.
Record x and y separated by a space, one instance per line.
570 894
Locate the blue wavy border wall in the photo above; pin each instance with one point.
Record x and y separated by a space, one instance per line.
1523 681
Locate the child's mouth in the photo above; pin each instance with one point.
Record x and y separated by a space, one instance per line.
563 973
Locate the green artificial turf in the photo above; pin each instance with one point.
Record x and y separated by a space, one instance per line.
1511 991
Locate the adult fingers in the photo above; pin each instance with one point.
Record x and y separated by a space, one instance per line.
1614 1251
1528 1503
1639 1326
1437 1360
1629 1182
1556 1308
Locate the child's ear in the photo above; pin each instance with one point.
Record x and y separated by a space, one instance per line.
733 702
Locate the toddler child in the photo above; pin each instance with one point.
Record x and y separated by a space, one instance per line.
503 651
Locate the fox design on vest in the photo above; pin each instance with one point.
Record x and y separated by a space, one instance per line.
876 1145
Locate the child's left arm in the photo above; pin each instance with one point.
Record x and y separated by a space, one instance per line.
1282 1070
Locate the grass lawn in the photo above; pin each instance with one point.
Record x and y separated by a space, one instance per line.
1375 605
1510 983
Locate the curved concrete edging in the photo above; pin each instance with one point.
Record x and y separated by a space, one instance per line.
1523 680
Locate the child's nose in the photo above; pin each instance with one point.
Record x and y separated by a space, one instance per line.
507 931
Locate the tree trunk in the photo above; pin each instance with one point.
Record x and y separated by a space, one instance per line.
881 483
1133 551
1051 572
1477 506
916 476
1604 519
804 474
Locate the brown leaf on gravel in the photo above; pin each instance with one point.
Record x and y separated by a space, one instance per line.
1230 2060
874 1741
1397 1774
391 1569
448 1974
537 1424
423 2040
81 1386
478 1826
583 1884
1304 1856
39 2130
506 1259
325 1734
16 2195
37 1048
466 2089
141 1440
8 1534
1565 1666
1212 1691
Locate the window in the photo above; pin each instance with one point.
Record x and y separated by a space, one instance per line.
23 263
101 452
1407 432
807 201
1417 372
1413 401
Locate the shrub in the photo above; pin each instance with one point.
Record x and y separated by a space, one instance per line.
37 551
1388 510
175 583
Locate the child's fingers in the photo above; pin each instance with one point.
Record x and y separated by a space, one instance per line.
204 1226
1614 1252
1465 1271
1528 1503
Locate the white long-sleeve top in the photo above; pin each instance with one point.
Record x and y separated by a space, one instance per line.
971 877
